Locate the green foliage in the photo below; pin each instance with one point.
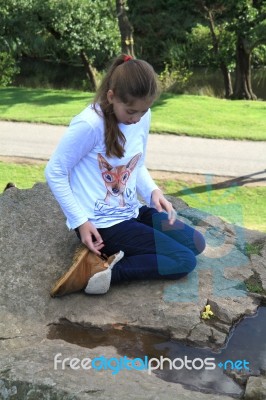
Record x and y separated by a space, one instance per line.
259 55
254 284
168 31
174 78
8 69
59 30
158 25
199 46
237 27
77 25
247 19
253 248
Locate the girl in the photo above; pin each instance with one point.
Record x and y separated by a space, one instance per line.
98 170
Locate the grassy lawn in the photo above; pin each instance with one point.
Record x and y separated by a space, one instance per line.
182 115
55 107
226 203
23 175
210 117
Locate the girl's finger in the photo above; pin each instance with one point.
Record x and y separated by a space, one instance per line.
97 236
95 250
159 208
172 216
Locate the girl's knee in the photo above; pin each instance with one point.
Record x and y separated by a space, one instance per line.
199 242
190 262
179 271
181 263
187 263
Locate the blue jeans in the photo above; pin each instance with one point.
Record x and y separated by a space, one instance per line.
153 248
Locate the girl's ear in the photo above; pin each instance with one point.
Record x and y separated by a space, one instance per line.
110 96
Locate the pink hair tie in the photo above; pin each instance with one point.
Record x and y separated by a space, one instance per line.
127 58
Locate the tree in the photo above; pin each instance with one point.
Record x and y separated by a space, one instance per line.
246 21
210 10
83 28
63 30
8 69
237 28
159 25
249 23
125 27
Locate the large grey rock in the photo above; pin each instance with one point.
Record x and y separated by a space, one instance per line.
256 388
258 262
36 248
29 374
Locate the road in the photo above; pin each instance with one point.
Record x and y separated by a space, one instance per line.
165 152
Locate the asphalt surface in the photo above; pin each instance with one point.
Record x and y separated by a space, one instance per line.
165 152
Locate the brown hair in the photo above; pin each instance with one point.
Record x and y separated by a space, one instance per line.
129 79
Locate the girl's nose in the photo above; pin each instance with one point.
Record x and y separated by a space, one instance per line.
135 119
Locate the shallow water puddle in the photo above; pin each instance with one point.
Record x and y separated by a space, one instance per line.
244 353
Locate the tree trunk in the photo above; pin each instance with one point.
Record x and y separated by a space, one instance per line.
242 86
227 80
215 42
125 27
89 70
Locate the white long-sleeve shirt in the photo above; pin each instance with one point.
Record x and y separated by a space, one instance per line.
87 184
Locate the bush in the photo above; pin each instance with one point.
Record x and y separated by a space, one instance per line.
174 78
8 69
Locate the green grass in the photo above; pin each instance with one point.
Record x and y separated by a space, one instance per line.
210 117
177 114
55 107
23 175
241 205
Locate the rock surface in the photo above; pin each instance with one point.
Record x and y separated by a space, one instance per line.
36 248
256 388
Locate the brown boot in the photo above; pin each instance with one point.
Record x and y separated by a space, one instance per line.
85 265
100 282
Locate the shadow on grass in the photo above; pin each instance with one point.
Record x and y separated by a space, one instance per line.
235 182
13 96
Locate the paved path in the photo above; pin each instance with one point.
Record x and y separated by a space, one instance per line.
165 152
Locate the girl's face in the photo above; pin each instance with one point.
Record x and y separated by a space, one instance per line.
129 113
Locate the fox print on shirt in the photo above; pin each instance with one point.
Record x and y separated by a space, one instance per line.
119 199
115 178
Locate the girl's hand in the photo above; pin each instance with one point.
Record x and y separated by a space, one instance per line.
161 203
87 233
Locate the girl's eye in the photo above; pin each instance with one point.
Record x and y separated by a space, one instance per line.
136 112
